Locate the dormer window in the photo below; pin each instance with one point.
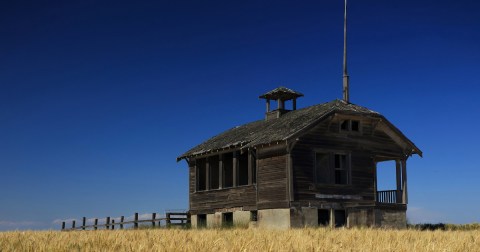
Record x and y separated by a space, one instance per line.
350 125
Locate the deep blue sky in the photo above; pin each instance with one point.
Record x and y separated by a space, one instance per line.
98 99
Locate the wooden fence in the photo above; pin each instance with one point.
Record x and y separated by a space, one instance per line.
170 219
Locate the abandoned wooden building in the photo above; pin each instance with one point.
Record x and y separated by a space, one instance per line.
300 167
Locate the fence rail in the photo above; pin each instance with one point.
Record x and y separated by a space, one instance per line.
170 219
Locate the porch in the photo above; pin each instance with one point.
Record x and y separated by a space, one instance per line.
400 194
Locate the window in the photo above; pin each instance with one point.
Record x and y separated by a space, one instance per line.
201 165
332 168
201 220
344 125
323 217
350 125
341 175
322 168
355 126
228 170
227 220
254 167
339 214
213 163
340 218
253 215
243 169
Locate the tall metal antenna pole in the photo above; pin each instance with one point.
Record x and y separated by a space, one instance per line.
346 91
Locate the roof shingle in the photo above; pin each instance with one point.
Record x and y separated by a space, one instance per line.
273 130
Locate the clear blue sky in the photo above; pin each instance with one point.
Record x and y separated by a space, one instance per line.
98 99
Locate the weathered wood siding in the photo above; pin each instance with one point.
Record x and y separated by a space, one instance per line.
243 197
210 201
191 182
362 146
272 177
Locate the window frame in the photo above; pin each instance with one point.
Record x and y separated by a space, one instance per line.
331 167
349 125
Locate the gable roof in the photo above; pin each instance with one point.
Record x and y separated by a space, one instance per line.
283 128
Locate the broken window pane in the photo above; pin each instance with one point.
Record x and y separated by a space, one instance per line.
344 125
355 126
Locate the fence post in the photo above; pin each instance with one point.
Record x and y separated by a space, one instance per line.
121 222
84 221
73 224
135 222
96 224
154 215
113 224
107 224
63 225
168 220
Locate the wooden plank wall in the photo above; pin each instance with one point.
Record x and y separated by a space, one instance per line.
362 146
210 201
272 178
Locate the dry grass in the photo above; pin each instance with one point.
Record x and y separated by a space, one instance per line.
242 240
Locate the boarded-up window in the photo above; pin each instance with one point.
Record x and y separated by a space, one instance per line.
201 177
213 163
243 169
322 168
228 170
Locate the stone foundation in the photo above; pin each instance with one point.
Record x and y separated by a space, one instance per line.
241 218
390 218
193 221
274 218
214 220
301 217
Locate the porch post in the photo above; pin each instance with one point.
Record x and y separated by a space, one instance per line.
404 181
195 168
250 168
207 174
375 189
235 168
332 218
399 181
220 171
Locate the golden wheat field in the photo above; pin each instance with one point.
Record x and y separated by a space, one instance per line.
321 239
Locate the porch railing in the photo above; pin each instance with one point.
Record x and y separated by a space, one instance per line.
389 196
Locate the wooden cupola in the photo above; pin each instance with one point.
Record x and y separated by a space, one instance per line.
280 94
